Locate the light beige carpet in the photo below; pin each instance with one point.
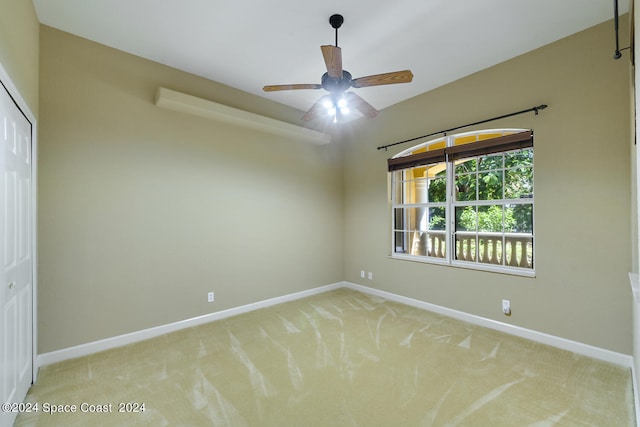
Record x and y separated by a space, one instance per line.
341 358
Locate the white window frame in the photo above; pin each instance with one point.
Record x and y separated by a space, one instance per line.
450 205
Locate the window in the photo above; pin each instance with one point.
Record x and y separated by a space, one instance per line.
466 200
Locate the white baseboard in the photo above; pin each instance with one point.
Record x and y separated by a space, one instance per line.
121 340
551 340
133 337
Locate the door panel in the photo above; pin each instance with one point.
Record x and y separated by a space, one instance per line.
16 289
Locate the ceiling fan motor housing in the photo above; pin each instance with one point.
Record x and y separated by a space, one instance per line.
333 84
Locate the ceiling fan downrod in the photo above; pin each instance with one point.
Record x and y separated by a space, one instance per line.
336 22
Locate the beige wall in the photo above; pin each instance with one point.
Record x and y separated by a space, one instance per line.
582 192
144 210
19 50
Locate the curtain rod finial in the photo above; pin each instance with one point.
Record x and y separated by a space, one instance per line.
539 107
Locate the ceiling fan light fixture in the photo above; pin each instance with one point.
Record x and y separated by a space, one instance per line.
337 81
343 106
334 106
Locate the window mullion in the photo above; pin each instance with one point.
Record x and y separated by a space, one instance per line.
450 227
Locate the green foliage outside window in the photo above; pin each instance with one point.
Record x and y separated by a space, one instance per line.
487 219
507 176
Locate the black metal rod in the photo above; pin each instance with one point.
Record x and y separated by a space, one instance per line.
617 54
504 116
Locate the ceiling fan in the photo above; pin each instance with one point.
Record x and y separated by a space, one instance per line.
338 81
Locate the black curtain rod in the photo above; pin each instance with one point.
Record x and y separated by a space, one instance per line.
535 109
618 53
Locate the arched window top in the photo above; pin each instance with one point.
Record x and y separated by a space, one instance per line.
462 145
458 139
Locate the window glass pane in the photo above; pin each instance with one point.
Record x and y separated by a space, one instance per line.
519 158
519 218
398 219
411 242
490 248
518 183
397 176
437 218
466 218
397 187
518 251
483 136
417 172
490 218
411 219
436 244
418 243
466 166
400 242
436 145
466 187
490 162
438 188
464 139
490 185
431 244
466 244
415 191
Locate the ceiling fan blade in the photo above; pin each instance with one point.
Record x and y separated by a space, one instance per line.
272 88
404 76
355 101
333 59
316 109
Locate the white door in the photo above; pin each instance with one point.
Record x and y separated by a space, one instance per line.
16 277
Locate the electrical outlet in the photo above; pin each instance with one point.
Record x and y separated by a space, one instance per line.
370 276
210 297
506 307
362 274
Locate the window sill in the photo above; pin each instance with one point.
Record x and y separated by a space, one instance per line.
466 265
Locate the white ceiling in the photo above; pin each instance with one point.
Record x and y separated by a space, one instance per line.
248 44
